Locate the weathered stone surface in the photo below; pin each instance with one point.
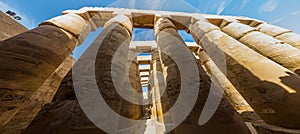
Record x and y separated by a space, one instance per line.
238 30
123 20
282 53
141 20
107 50
9 27
63 114
160 101
199 33
225 119
272 30
27 60
231 93
270 94
43 95
128 109
282 34
263 128
72 23
290 38
107 43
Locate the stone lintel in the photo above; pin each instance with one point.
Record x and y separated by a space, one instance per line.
147 18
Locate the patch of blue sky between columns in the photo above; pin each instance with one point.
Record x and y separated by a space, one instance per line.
145 89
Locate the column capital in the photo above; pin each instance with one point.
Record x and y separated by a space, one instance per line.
123 20
72 23
163 23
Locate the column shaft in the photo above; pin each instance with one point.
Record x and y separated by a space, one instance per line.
225 119
129 110
282 34
28 59
67 109
269 88
43 95
280 52
162 104
231 93
112 37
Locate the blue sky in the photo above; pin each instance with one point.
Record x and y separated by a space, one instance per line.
285 13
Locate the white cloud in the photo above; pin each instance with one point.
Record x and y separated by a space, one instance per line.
295 13
245 2
222 6
277 20
29 23
269 6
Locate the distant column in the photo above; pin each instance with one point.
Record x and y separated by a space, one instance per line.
158 84
128 109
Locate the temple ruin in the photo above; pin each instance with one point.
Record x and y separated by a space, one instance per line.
260 78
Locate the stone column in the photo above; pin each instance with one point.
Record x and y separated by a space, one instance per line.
225 119
28 59
9 27
270 89
67 108
129 110
161 100
117 33
161 95
231 93
153 99
280 33
280 52
43 95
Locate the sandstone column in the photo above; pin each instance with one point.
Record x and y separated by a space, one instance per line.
153 108
225 119
280 52
129 110
271 90
72 111
280 33
231 93
9 27
43 95
117 33
161 100
28 59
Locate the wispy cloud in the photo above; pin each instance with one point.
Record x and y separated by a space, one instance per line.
278 20
244 3
29 23
222 6
295 13
269 6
